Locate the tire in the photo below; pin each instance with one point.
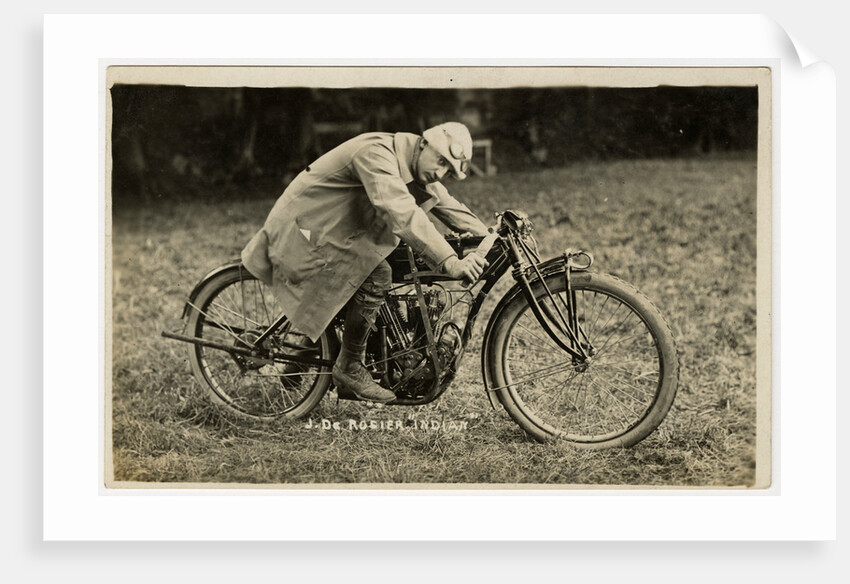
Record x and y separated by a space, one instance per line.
234 308
627 387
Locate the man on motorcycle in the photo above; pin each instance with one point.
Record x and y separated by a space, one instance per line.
326 240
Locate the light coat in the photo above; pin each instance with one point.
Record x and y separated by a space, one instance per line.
340 217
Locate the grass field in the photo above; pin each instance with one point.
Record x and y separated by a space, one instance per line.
682 231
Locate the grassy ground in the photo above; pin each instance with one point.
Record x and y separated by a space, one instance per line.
682 231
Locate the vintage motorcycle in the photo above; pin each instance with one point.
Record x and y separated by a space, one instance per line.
571 354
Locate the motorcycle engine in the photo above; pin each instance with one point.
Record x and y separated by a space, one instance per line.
411 365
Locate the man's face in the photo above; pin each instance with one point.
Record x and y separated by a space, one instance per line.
431 166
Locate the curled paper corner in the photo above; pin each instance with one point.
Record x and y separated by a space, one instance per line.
804 55
793 48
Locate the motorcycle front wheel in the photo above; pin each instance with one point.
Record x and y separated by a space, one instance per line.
234 309
617 397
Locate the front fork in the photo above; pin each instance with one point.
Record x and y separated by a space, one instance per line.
556 313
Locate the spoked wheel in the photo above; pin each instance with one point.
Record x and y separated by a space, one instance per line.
235 309
617 397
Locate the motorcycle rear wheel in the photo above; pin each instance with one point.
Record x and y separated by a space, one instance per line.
234 308
619 397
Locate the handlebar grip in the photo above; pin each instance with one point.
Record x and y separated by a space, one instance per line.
482 250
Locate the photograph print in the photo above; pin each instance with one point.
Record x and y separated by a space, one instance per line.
437 277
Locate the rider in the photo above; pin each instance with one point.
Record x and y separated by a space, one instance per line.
326 240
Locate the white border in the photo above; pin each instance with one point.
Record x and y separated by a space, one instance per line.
74 509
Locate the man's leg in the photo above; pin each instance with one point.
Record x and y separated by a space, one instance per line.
348 371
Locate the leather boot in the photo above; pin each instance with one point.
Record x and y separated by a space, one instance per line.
348 371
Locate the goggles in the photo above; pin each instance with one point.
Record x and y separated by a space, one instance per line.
456 150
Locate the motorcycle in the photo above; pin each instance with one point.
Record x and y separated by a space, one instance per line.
571 354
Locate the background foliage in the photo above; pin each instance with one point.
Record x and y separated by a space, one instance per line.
199 142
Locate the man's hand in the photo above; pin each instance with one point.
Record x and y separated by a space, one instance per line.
469 268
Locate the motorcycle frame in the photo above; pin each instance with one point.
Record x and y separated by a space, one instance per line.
509 252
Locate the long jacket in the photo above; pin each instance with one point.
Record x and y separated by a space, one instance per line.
340 217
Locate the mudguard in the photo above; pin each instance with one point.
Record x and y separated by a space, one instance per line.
234 264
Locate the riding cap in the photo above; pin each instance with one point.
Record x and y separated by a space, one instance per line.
453 141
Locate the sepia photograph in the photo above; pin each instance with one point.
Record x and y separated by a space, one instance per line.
438 277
